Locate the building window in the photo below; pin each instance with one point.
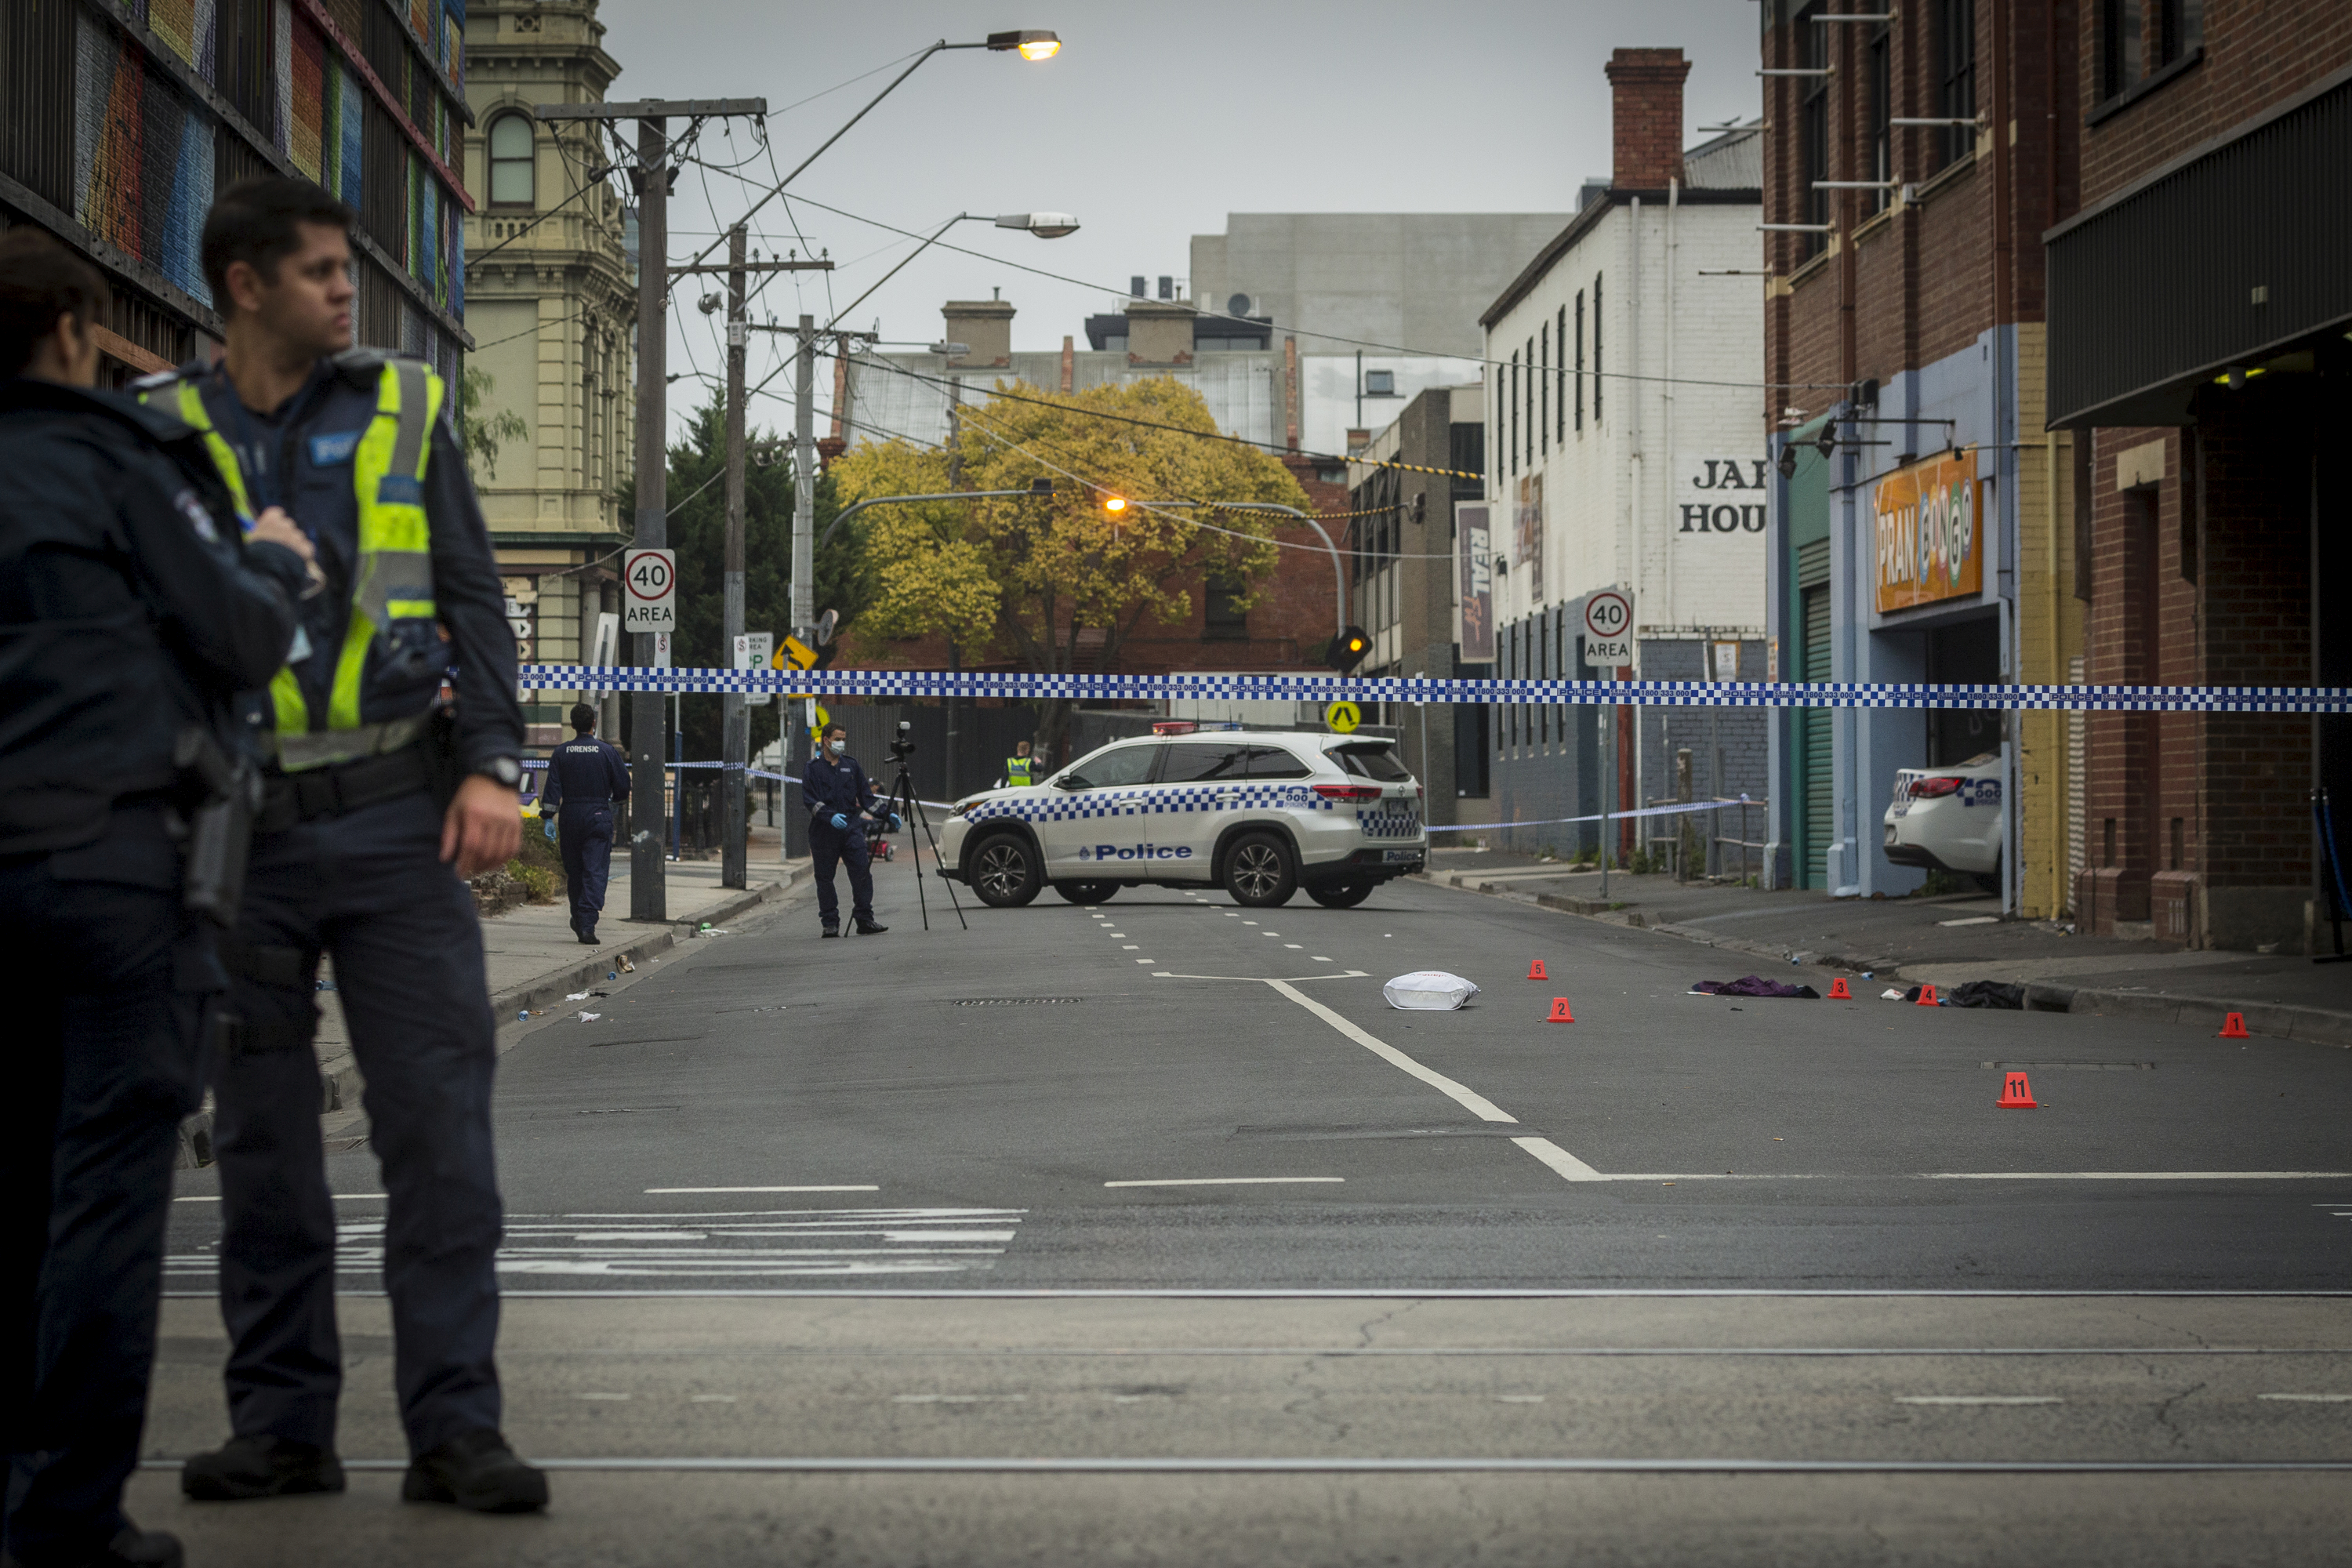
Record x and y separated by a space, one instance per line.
1543 395
1813 131
2179 29
511 161
2122 46
1579 359
1559 405
1597 371
1469 455
1380 384
1223 618
1515 411
1881 118
1527 411
1956 76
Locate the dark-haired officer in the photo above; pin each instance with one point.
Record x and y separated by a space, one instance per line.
586 778
130 617
378 804
841 801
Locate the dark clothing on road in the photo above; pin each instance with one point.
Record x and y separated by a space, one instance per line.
587 777
361 879
367 887
829 789
299 455
130 609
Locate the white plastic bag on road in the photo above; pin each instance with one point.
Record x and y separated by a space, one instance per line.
1428 990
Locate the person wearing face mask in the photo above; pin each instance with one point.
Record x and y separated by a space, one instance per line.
841 801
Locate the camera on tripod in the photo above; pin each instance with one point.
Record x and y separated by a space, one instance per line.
903 746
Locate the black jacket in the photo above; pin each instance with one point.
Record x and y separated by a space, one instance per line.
827 787
584 771
129 607
299 457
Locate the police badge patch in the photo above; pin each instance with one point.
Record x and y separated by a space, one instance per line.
198 518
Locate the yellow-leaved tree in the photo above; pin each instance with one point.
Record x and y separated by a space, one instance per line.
1025 576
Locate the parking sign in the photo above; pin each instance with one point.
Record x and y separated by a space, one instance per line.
649 578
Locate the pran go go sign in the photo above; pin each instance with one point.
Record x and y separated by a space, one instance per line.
649 581
1609 629
1930 540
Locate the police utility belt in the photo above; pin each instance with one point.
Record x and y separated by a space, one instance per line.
418 753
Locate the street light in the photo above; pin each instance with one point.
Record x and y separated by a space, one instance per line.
1031 45
1045 226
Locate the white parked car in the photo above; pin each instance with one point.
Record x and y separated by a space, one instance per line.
1261 813
1949 819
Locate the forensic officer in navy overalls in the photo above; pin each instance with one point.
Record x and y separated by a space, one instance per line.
586 780
378 803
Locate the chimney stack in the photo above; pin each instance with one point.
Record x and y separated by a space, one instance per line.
1645 88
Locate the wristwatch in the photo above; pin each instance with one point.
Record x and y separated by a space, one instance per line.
506 770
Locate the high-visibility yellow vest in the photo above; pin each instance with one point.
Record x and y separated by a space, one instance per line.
393 580
1016 771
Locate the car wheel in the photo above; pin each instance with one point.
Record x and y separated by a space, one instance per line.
1341 895
1259 871
1005 871
1087 892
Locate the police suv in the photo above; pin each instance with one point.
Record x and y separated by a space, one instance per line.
1261 813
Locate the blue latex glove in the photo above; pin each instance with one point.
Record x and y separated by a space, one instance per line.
546 825
895 824
840 823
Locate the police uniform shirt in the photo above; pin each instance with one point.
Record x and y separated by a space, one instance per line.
299 455
828 786
584 771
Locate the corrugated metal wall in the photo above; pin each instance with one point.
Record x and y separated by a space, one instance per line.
2242 249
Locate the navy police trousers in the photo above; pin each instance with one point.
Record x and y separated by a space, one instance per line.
105 1046
829 846
368 889
584 833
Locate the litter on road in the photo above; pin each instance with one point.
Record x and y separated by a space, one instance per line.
1428 990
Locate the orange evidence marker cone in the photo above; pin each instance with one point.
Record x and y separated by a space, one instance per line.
1838 992
2234 1028
2016 1094
1536 971
1559 1013
1927 997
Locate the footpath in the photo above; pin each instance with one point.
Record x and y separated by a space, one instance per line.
1943 941
535 963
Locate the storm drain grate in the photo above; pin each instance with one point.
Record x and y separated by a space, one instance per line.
1017 1001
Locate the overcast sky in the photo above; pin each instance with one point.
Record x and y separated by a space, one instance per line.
1152 124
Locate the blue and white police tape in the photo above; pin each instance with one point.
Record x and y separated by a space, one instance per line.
1327 689
1678 809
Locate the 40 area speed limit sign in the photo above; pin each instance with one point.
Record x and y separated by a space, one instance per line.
650 580
1609 629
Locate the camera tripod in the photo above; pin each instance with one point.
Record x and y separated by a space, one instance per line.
902 800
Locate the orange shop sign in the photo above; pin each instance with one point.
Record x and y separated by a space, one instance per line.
1930 525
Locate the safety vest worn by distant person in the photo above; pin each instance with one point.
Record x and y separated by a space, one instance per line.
1016 771
393 580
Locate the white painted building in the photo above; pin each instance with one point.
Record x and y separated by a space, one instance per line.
1625 451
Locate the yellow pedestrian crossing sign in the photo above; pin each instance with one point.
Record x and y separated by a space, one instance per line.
1343 717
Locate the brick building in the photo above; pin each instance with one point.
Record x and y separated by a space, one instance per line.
118 119
1622 453
1911 167
2201 296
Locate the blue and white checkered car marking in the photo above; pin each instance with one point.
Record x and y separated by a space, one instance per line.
1322 689
1165 800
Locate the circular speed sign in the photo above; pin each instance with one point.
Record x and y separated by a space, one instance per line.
1608 615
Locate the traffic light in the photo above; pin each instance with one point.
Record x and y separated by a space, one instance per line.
1348 649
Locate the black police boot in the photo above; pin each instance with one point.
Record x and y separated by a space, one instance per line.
871 928
588 939
830 930
260 1466
476 1471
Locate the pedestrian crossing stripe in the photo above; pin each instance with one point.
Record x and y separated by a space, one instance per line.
1322 690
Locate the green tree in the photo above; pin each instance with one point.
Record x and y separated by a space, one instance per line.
697 532
1022 577
480 435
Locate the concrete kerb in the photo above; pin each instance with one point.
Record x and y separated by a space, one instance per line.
2281 1021
340 1085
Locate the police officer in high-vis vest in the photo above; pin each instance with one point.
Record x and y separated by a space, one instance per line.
378 802
1020 768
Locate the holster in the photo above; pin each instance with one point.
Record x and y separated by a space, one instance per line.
220 829
445 770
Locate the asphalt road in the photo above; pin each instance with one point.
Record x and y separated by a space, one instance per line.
1149 1233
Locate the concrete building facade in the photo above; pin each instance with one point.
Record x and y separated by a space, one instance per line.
553 307
1622 453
